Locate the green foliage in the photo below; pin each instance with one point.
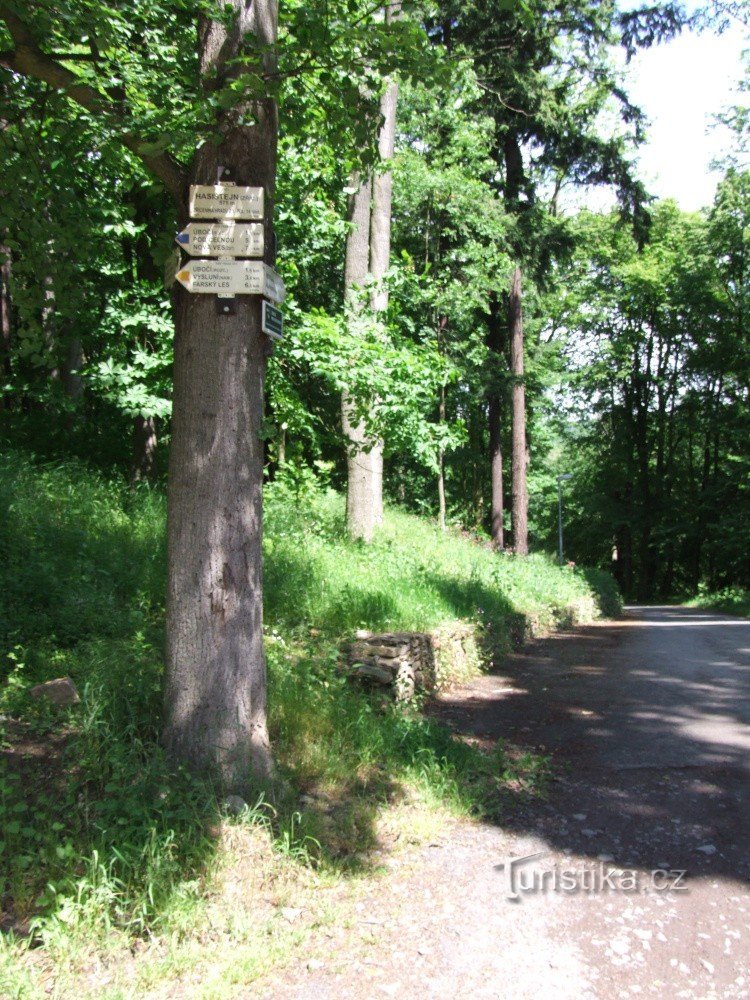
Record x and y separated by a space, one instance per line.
730 600
656 404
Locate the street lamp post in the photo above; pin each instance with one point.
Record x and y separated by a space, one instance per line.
560 478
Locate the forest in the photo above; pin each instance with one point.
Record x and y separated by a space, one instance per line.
469 353
634 367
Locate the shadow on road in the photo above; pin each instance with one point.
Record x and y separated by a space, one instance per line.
648 724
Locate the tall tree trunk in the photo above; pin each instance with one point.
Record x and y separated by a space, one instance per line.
362 464
380 250
496 345
520 503
368 251
215 691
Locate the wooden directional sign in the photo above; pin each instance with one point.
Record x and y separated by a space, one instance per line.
225 201
222 239
272 323
232 277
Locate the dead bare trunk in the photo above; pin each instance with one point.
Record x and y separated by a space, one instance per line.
215 691
520 504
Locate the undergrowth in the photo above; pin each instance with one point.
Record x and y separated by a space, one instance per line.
730 600
98 833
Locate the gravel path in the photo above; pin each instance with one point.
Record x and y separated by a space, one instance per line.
648 722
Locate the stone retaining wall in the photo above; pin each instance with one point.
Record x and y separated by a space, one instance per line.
415 661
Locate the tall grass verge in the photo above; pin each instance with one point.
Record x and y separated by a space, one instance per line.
99 834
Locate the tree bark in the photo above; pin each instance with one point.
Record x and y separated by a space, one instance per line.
441 465
215 691
520 503
495 343
215 683
368 251
144 448
5 317
362 465
496 471
49 332
72 379
380 252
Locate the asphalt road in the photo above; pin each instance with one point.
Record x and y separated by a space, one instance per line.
648 722
664 687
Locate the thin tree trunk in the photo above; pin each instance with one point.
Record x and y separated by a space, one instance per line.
362 465
215 691
441 465
5 317
144 448
72 379
49 333
520 504
380 252
496 471
495 343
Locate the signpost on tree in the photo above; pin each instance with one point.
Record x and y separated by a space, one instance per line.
220 239
231 277
215 680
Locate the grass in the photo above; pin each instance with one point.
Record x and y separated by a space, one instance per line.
101 842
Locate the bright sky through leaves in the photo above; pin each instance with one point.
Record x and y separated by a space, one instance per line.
681 86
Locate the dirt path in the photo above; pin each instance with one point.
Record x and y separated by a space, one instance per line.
648 721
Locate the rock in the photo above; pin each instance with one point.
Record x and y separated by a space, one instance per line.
290 913
62 692
405 683
376 673
234 804
433 658
362 633
314 964
707 849
365 650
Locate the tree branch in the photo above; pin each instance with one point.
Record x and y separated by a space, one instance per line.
28 59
